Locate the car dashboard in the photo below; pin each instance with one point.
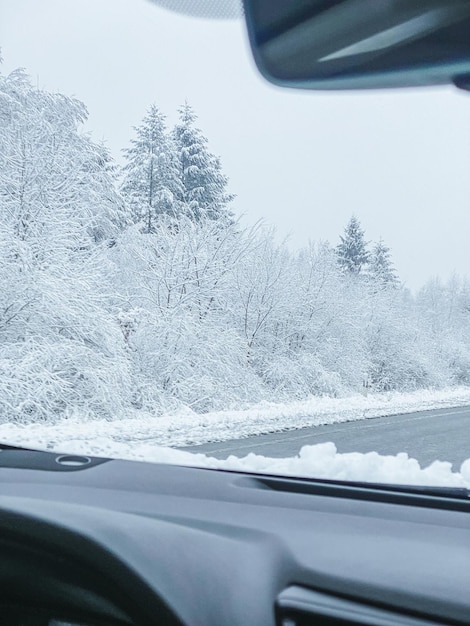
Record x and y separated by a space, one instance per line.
88 542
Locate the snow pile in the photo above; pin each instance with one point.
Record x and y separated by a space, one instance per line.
323 461
317 461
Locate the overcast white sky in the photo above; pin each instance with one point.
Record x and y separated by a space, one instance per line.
303 161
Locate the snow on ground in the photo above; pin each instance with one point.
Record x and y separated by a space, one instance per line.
143 437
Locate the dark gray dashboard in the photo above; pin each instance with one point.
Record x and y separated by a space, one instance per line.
158 544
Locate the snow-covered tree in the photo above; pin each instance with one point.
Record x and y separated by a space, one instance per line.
445 320
62 351
381 268
261 279
54 179
352 251
152 181
204 185
177 286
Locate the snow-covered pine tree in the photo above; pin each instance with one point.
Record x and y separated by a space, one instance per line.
381 268
204 184
152 182
352 251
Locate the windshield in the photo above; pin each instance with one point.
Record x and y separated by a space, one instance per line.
197 267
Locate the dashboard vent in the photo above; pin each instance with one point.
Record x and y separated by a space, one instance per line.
298 606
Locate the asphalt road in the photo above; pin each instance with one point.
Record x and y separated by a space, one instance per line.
442 434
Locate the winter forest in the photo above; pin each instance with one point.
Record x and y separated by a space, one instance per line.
136 289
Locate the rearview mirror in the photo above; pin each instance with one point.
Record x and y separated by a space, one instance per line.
361 44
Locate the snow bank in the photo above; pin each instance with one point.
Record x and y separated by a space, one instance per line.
188 428
143 438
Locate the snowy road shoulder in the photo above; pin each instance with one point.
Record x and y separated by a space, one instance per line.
144 438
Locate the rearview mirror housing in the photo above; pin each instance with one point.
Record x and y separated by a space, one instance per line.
360 44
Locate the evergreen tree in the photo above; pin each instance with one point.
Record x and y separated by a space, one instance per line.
352 251
203 183
152 183
381 268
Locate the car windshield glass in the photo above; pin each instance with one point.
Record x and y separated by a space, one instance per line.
197 267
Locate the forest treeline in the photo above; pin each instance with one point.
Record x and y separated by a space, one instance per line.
135 288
